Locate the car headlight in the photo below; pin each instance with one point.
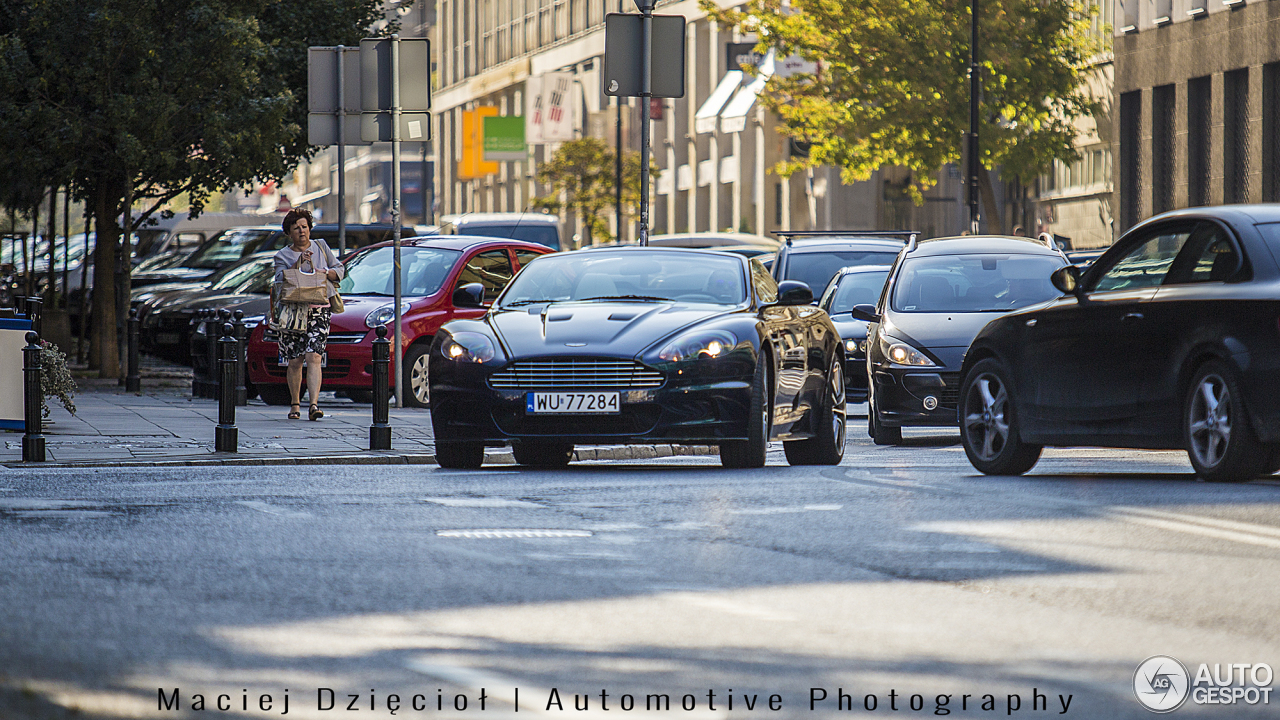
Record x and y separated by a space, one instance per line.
469 347
700 344
900 353
385 314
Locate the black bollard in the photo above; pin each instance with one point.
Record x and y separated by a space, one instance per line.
32 394
34 305
226 436
380 430
133 381
239 332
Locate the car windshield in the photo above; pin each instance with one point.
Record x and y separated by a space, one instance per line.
422 271
224 249
860 288
534 233
242 273
816 268
635 274
974 283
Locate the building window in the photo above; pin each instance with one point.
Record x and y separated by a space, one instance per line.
1162 109
1235 136
1130 170
1199 98
1271 132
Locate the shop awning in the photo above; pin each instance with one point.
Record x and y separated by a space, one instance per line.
705 119
734 117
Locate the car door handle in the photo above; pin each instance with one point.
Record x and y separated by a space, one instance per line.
1131 316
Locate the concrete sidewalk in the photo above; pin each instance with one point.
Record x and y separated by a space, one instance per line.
164 425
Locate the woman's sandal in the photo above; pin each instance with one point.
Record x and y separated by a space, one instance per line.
316 413
296 412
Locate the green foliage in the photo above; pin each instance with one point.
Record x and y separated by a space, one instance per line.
891 86
581 174
55 379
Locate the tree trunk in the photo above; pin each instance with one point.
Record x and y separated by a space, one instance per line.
995 223
105 353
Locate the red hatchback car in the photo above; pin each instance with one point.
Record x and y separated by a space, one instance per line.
432 268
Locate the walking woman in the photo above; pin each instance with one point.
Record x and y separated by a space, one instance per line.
303 326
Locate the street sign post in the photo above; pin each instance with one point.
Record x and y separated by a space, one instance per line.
395 93
333 92
623 54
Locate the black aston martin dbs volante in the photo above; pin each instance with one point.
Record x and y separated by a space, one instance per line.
640 344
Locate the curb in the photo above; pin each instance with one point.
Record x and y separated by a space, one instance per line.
493 456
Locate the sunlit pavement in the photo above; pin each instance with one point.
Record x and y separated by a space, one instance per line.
900 571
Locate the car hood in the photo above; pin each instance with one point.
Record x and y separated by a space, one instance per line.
849 328
231 301
157 289
168 276
357 307
621 329
938 330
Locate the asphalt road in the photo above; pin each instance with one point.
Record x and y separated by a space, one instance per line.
898 573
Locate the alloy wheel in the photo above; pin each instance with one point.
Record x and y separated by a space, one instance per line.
839 420
1210 420
418 384
985 423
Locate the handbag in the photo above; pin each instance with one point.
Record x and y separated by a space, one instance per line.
335 302
311 288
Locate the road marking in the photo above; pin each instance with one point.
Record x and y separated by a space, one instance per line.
481 502
1234 530
506 533
782 510
272 509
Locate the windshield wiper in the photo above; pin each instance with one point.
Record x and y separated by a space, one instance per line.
646 298
520 303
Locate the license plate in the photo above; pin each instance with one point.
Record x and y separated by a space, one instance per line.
572 403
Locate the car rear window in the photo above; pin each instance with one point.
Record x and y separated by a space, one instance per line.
974 283
816 269
225 249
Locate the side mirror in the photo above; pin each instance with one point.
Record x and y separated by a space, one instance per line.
794 292
470 295
866 313
1066 279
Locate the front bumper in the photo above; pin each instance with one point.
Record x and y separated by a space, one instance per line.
903 396
688 408
348 361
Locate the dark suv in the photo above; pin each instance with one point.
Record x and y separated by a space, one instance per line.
939 294
815 256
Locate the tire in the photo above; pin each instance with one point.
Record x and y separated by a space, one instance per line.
460 455
417 391
826 447
274 394
750 453
880 434
542 454
989 423
1218 436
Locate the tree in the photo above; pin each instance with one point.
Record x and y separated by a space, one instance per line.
891 86
581 174
145 100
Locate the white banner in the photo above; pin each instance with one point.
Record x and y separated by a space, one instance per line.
533 109
557 123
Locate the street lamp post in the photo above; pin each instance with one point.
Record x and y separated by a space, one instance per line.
646 93
975 87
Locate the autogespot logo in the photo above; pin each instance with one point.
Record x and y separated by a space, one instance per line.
1160 684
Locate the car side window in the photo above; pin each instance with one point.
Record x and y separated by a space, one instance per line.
525 256
491 268
1208 256
1147 262
764 283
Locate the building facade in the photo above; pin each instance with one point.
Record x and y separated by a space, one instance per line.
1197 107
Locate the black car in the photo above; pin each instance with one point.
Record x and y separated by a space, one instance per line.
940 293
853 286
640 344
815 256
166 316
1169 340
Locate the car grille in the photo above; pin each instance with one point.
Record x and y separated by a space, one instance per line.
572 373
349 338
950 395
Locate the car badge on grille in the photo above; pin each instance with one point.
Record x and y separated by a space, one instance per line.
575 344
